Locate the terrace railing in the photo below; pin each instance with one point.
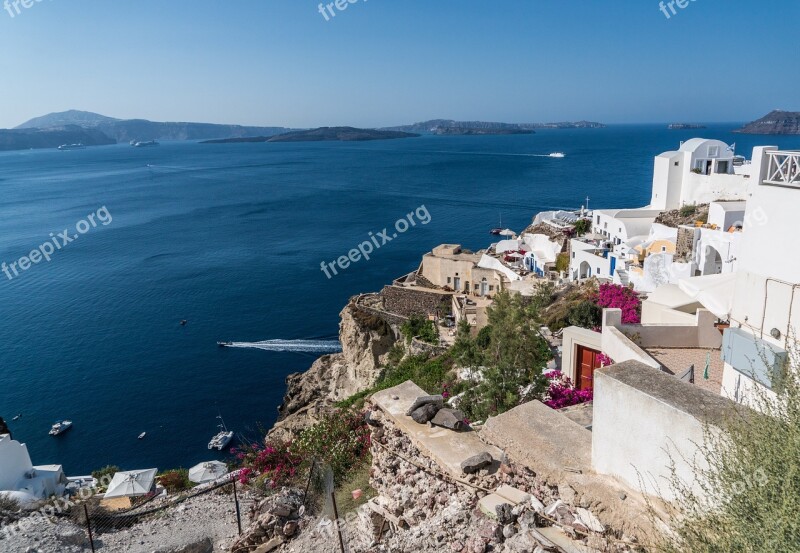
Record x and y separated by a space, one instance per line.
783 168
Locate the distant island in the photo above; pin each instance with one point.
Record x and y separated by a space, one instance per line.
450 127
322 134
93 129
775 122
684 126
469 131
51 137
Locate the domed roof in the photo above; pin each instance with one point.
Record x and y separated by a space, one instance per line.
695 144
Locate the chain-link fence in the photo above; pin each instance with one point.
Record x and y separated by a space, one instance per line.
212 513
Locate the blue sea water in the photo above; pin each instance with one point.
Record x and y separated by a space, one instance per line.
230 238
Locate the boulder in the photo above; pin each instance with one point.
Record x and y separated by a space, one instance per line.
438 401
425 413
449 418
476 463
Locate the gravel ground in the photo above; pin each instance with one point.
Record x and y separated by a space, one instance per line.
209 516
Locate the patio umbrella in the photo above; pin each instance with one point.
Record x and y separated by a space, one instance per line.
132 483
515 255
206 472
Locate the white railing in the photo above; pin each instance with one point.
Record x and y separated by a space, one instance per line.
783 168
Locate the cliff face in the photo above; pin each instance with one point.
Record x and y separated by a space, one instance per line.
366 340
775 122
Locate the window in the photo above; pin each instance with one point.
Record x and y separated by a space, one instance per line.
713 151
491 287
598 219
620 229
573 255
448 280
663 249
598 271
677 163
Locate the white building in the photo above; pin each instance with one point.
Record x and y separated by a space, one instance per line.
701 171
23 481
765 308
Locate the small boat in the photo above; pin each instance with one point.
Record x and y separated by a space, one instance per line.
72 147
184 322
60 427
145 144
558 154
223 437
142 435
17 417
224 344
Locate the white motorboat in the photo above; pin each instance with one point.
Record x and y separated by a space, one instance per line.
222 438
60 427
142 435
558 154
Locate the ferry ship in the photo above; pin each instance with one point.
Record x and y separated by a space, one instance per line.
72 147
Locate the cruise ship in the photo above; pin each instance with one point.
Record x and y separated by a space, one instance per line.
72 147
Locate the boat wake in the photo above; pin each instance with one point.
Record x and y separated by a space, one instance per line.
296 346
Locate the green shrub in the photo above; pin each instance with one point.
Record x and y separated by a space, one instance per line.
562 262
341 440
176 480
751 485
688 210
586 314
421 327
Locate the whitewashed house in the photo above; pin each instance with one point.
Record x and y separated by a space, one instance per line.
23 481
700 171
764 298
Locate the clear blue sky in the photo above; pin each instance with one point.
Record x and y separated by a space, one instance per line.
383 62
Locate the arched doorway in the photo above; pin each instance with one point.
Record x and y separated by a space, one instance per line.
712 264
585 270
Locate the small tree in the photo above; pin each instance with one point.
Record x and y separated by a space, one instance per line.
421 327
586 314
582 226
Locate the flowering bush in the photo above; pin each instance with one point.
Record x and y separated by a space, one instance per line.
620 297
342 439
274 461
561 393
604 360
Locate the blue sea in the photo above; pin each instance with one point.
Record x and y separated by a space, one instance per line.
230 238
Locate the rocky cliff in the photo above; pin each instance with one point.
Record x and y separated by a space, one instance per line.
775 122
366 340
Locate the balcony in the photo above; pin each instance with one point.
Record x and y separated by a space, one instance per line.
783 169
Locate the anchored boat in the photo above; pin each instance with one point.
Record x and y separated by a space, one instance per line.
60 427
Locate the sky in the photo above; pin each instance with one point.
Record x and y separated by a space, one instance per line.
391 62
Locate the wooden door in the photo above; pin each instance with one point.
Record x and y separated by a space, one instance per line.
586 365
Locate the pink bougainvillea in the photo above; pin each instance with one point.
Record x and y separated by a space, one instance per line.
561 393
604 360
619 297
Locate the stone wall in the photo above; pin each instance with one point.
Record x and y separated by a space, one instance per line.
685 243
411 301
419 347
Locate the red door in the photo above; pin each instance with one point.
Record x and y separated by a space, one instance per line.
587 363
